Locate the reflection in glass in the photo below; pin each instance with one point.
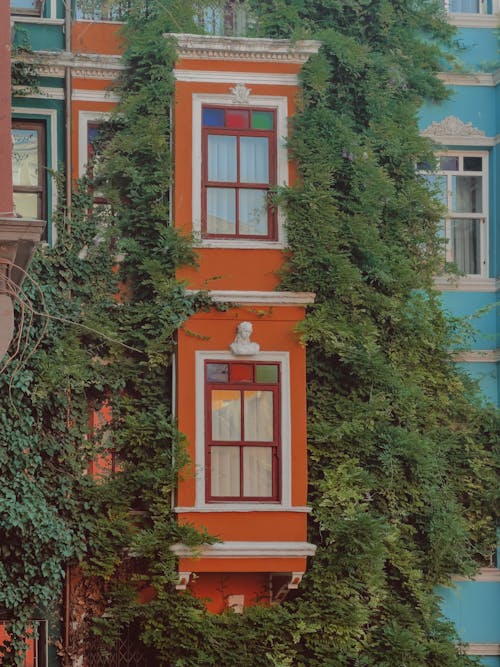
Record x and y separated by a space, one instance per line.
258 416
226 414
221 211
253 215
467 195
25 157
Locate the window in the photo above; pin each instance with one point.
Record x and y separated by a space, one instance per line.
30 7
242 431
239 167
28 169
224 18
467 6
461 183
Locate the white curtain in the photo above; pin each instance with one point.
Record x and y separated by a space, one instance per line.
221 211
258 471
221 158
225 471
465 245
254 160
258 411
226 415
252 212
467 194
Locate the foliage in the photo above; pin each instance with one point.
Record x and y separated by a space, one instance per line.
403 456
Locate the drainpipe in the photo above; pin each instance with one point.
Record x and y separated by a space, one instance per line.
68 108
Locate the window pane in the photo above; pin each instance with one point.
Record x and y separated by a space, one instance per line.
438 186
266 373
253 215
254 160
262 120
237 119
448 163
213 117
465 245
467 196
258 415
465 6
241 373
26 204
473 163
258 471
217 372
25 157
226 414
225 471
24 4
221 211
221 158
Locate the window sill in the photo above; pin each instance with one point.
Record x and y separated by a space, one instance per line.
453 283
243 244
473 20
241 507
246 550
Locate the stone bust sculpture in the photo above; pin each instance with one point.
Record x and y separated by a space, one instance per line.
242 343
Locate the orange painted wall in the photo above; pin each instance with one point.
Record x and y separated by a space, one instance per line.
97 37
216 588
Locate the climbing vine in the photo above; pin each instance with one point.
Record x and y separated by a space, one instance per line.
403 456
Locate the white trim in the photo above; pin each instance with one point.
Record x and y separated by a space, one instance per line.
43 93
477 79
50 115
246 550
259 298
484 574
281 105
482 649
282 358
478 356
473 20
238 507
196 76
84 118
230 244
453 283
458 140
17 18
88 66
214 47
94 96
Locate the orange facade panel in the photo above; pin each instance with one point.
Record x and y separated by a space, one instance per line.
264 564
98 37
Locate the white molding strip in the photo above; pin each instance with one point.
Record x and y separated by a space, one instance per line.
213 47
246 550
94 96
478 79
239 507
261 298
245 244
473 20
196 76
453 283
478 356
458 140
36 20
484 574
482 649
42 93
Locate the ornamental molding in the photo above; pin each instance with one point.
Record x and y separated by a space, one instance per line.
482 649
241 94
483 574
451 126
478 79
92 66
246 550
261 298
238 78
213 47
478 356
239 507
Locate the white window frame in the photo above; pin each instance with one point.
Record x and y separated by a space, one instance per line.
84 118
283 358
483 216
280 104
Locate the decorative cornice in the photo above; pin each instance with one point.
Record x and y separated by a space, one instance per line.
212 47
91 66
478 356
36 20
261 298
451 126
246 550
482 649
453 283
238 78
484 574
469 79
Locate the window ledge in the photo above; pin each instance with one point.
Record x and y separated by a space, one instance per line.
33 18
246 550
240 244
453 283
483 574
241 507
473 20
